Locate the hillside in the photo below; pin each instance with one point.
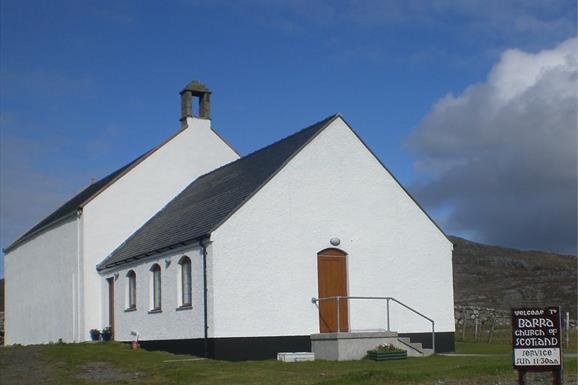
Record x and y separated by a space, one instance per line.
499 277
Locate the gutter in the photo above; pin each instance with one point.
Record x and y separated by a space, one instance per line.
76 280
101 268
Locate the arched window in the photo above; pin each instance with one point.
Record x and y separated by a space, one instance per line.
186 296
156 286
131 294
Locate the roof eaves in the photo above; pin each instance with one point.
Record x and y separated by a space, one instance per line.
103 267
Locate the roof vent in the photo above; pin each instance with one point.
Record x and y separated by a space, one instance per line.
198 90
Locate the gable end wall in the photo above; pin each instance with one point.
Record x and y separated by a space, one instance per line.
265 254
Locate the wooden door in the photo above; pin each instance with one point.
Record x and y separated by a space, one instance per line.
332 281
111 305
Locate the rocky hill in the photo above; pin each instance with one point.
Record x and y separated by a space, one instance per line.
499 277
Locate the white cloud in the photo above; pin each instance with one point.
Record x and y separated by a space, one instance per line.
502 154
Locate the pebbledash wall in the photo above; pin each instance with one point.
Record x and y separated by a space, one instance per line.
40 291
172 321
53 290
262 262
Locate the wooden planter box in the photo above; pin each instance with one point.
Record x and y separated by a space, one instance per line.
385 356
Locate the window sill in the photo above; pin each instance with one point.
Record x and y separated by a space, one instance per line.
129 309
154 311
185 307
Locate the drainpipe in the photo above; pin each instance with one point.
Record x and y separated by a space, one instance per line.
205 292
78 335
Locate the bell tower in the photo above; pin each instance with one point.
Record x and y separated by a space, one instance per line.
195 89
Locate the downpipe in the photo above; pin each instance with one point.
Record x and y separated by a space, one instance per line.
205 294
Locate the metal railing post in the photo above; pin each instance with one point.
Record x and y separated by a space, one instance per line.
387 301
387 306
338 298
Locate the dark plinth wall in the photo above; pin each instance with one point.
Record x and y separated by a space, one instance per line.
445 341
234 349
266 348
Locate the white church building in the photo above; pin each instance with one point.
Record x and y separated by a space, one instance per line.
191 248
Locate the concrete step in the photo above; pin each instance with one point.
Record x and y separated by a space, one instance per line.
428 352
414 349
354 345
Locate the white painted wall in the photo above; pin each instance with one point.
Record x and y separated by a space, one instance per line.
265 256
171 323
40 287
116 213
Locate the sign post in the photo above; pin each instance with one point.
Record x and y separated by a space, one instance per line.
536 337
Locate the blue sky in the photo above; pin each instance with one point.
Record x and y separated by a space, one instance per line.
86 86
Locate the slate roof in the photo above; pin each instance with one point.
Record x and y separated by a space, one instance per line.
209 200
75 203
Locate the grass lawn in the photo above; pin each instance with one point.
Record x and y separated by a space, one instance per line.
482 348
114 363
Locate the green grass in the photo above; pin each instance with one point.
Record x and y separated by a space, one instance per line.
494 348
61 364
503 336
502 342
482 348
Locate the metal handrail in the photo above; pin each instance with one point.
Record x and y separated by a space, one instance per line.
338 299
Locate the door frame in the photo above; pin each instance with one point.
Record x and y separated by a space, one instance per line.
345 257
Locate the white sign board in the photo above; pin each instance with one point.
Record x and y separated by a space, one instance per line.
537 357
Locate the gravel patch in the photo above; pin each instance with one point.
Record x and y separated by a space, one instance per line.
22 365
104 372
